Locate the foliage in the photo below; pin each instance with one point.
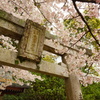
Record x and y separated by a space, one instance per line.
10 97
52 88
91 92
49 58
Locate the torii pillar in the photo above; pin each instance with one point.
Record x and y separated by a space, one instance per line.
73 88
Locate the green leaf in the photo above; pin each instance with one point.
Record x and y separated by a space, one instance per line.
16 8
17 61
88 35
87 17
85 11
94 23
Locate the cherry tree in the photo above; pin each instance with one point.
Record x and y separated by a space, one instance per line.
77 26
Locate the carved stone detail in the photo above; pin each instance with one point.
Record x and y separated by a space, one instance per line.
31 45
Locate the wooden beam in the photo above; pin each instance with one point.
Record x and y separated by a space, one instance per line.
10 29
9 58
12 19
52 47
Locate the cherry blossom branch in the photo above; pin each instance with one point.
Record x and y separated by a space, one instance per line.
89 29
74 17
96 56
38 9
76 43
89 69
64 4
79 39
69 47
91 1
88 51
20 7
48 20
35 3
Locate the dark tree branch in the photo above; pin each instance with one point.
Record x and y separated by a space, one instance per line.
89 67
64 4
20 7
89 29
79 39
75 17
88 1
69 47
76 43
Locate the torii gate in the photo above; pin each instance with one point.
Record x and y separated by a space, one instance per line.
33 40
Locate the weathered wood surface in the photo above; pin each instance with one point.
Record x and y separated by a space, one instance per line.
10 29
52 47
31 44
9 58
12 19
